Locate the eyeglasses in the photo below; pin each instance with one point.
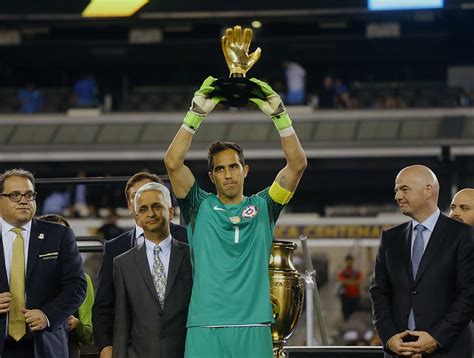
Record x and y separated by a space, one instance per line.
16 196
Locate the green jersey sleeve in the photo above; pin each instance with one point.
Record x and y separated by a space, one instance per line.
274 208
190 204
83 332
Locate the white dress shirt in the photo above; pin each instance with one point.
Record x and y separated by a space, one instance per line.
164 254
139 235
9 237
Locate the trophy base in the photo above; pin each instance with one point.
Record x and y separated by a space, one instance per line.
237 91
278 351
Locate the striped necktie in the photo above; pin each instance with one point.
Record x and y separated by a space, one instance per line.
16 319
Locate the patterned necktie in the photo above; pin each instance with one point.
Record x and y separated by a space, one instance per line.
159 275
16 319
418 249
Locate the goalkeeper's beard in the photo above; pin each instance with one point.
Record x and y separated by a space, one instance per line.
230 191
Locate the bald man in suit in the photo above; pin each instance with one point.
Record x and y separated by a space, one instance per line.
462 206
462 209
422 290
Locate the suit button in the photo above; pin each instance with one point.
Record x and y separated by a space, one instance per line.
163 336
160 313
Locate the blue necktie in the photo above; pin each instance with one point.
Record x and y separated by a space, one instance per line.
418 249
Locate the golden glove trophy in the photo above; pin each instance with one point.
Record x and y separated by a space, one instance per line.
237 89
286 294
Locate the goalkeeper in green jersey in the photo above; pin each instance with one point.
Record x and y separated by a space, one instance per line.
230 235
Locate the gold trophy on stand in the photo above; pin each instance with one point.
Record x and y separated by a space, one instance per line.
237 89
286 294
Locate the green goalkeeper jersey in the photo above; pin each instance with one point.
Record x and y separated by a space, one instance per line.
230 248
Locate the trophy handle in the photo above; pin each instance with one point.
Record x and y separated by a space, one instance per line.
236 91
275 307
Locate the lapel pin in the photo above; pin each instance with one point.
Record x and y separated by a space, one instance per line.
41 236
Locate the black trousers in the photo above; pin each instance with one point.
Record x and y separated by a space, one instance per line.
24 348
349 306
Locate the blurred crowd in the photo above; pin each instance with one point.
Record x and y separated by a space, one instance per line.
328 92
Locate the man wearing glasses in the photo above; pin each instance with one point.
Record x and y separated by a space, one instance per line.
41 277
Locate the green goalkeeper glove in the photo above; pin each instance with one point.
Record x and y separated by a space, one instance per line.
201 105
273 106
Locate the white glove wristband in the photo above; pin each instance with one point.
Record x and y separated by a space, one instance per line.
287 132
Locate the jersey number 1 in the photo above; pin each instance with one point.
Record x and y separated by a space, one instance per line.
236 234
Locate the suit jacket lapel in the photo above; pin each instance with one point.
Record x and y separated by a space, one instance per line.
3 269
34 247
133 238
176 257
141 261
407 234
433 246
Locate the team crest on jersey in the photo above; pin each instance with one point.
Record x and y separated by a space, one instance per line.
250 211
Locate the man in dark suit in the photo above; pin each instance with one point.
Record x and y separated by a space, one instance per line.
103 309
41 277
153 284
422 290
462 209
462 206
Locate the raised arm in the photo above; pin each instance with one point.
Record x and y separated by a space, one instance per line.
290 175
181 177
296 163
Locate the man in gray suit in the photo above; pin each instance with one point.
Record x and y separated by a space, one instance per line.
153 284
